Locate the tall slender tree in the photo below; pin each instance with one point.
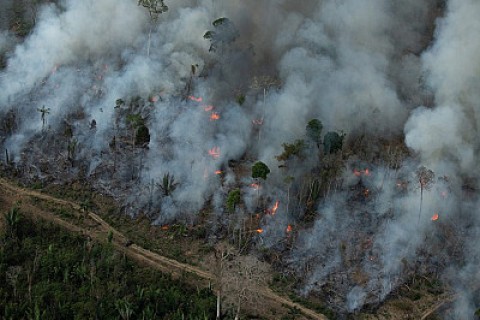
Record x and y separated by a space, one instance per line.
155 8
425 178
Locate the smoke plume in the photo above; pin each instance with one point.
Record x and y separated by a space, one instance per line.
167 119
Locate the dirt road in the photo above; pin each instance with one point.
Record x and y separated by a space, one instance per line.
101 229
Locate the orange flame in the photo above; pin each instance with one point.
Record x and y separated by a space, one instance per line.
257 122
214 116
154 98
199 99
255 186
366 193
358 173
218 171
208 108
259 230
435 217
289 228
273 210
165 227
275 207
214 152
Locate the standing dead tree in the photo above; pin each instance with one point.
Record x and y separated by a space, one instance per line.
43 111
238 278
242 282
265 83
155 8
222 254
425 178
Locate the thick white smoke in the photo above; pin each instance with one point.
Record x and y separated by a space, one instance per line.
368 68
446 137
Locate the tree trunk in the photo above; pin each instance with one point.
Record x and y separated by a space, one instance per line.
219 304
258 192
149 40
421 201
239 304
288 197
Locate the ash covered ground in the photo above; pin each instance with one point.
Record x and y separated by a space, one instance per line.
168 110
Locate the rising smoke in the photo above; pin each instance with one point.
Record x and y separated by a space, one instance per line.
373 68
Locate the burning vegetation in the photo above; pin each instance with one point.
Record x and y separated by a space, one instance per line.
248 127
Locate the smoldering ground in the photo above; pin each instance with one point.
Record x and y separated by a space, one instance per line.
101 69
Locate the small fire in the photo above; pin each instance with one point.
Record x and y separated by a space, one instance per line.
435 217
402 184
208 108
218 171
255 186
257 122
274 209
289 228
199 99
165 227
214 152
259 230
360 173
214 116
366 193
154 98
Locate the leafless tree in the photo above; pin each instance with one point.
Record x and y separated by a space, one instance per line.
265 83
238 278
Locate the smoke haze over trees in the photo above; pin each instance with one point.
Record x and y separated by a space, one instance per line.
399 78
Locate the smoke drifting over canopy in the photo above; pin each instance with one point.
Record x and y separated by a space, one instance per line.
374 69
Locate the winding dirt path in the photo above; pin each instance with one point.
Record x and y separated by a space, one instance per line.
101 229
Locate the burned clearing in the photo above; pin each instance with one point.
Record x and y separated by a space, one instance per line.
333 141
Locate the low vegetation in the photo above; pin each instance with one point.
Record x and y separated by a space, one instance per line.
51 274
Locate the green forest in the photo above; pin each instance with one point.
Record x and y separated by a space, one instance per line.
52 274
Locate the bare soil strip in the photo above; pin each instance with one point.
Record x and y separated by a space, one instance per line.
139 254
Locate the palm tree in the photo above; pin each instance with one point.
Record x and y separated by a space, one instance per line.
13 218
124 308
168 184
